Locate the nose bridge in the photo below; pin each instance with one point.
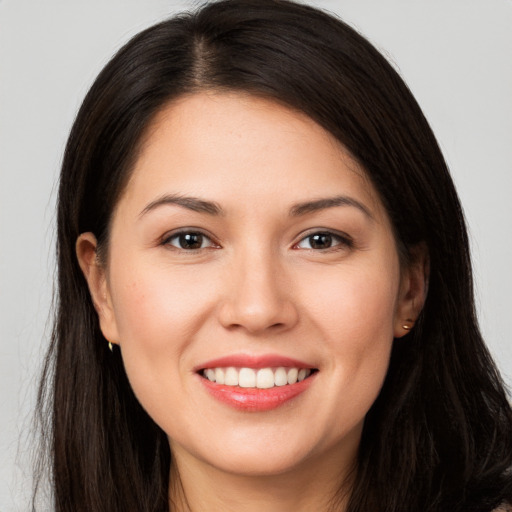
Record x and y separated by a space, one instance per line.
257 296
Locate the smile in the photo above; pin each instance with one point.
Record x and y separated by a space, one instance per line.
262 378
256 383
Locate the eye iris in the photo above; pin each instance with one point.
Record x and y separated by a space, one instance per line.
320 241
191 240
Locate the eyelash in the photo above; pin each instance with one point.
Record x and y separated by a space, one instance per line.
184 232
343 240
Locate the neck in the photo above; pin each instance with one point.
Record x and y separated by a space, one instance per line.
317 485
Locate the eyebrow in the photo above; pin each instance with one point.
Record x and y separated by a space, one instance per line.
212 208
191 203
329 202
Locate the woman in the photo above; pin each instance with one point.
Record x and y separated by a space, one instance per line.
265 294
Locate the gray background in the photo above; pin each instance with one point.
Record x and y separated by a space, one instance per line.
456 55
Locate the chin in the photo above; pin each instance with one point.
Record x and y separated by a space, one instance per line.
261 464
269 455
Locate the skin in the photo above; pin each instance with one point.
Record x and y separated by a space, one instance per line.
256 287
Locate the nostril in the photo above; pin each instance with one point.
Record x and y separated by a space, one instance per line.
253 312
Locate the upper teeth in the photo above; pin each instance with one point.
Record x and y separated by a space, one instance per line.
263 378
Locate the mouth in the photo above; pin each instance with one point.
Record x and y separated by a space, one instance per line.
256 378
258 383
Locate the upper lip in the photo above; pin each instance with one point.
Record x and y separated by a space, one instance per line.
254 361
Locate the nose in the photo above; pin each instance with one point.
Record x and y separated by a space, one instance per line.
258 296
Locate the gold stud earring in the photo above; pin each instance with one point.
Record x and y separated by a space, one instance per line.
110 347
406 326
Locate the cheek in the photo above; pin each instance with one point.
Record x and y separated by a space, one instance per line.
159 306
355 305
158 311
355 315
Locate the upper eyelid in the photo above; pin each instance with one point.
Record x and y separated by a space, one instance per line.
344 242
317 231
180 231
188 229
214 240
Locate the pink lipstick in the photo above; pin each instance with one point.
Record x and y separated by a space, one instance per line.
256 383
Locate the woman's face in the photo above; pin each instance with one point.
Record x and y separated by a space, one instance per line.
248 239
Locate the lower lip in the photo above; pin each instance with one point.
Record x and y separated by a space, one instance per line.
255 399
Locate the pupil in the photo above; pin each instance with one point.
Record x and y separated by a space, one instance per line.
321 241
191 241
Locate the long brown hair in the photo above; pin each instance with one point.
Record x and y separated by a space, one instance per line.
439 436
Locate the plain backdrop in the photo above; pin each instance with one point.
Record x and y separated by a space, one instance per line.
456 56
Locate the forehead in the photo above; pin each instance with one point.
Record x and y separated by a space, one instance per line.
235 147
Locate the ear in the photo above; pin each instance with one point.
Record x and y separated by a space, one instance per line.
413 290
95 275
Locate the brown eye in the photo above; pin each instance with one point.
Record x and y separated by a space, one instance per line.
323 240
189 241
320 241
